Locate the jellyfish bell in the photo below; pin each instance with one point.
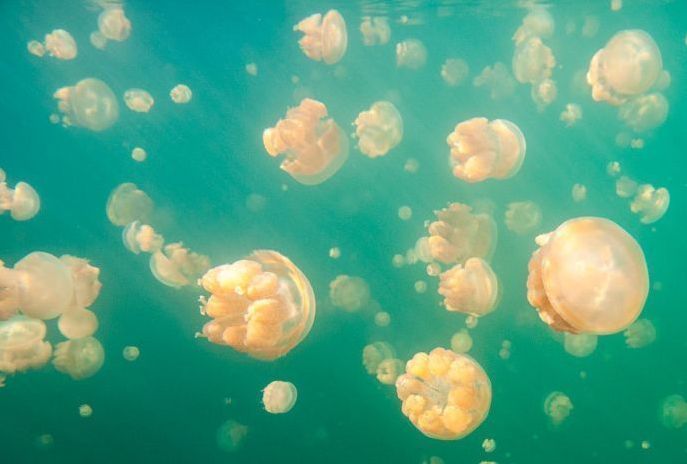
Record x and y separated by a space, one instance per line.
579 345
470 289
181 94
673 412
497 80
557 406
389 370
23 345
544 93
87 286
325 38
571 114
523 217
98 40
349 293
138 237
375 30
35 48
373 355
77 323
230 436
461 341
379 129
138 100
644 112
79 358
177 266
537 23
411 54
533 61
25 202
90 104
279 397
127 203
650 203
113 24
640 334
60 44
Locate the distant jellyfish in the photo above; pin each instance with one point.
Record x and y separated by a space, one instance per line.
523 217
613 168
444 394
23 345
85 410
77 323
98 40
589 276
335 252
454 71
616 5
80 358
113 24
579 193
644 112
489 445
131 353
557 406
314 146
579 345
650 203
590 26
375 30
537 23
139 154
533 61
461 341
349 293
544 93
481 149
230 436
470 289
176 266
127 203
673 412
374 354
382 319
640 334
571 114
35 48
262 305
22 202
379 129
411 166
279 397
252 69
138 100
405 213
420 286
139 238
411 54
497 80
256 202
60 44
181 94
389 370
325 37
90 104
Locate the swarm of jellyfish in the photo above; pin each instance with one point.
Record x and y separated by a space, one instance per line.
90 104
279 397
325 37
471 288
22 202
379 129
375 30
349 293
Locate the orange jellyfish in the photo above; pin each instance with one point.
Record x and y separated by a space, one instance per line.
445 395
411 54
181 94
77 323
139 238
379 129
22 201
349 293
23 345
325 37
80 358
471 289
176 266
571 114
374 354
127 203
557 406
544 93
262 305
533 61
650 203
314 145
113 24
60 44
454 71
523 217
537 23
589 275
644 112
279 397
389 370
138 100
375 30
90 104
35 48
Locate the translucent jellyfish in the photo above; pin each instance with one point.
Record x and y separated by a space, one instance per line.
405 213
90 104
411 166
628 65
522 217
139 154
131 353
23 345
325 37
544 93
411 54
279 397
314 145
230 436
420 286
87 285
80 358
98 40
673 412
138 100
557 406
181 94
252 69
613 168
262 305
255 202
640 334
454 71
113 24
481 149
374 354
35 48
579 193
470 289
616 5
349 293
650 203
571 114
85 410
580 345
127 203
139 238
533 61
375 30
382 319
497 80
335 252
22 201
644 112
537 23
176 266
444 394
588 276
389 370
461 342
77 323
60 44
379 129
489 445
625 187
590 26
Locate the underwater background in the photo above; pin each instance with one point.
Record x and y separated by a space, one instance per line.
205 160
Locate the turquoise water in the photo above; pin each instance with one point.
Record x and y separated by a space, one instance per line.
206 158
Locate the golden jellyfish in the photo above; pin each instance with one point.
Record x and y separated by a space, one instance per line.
644 112
87 285
35 48
650 203
349 293
522 217
325 38
673 412
471 288
533 61
60 44
389 370
544 93
77 323
230 436
335 252
481 149
176 266
571 114
375 30
445 395
461 341
90 104
314 146
537 23
131 353
640 334
454 71
22 201
139 154
279 397
579 345
138 100
374 354
628 65
379 129
181 94
113 24
411 54
613 168
23 345
497 80
557 406
139 238
588 276
262 305
80 358
127 203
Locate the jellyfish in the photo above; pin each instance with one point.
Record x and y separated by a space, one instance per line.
405 213
523 217
382 319
90 104
489 445
85 410
389 370
379 129
628 65
673 412
86 281
445 395
79 358
613 168
544 93
139 238
349 293
557 406
650 203
279 397
571 114
375 30
139 154
644 112
22 201
497 80
579 193
481 149
60 44
470 289
23 345
35 48
131 353
127 203
314 145
262 305
230 436
533 61
590 26
461 341
537 23
589 275
454 71
138 100
411 54
374 354
640 334
177 266
181 94
325 38
113 24
579 345
77 323
98 40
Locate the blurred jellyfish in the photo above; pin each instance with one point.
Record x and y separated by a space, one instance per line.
571 114
139 238
579 345
544 93
533 61
375 30
181 94
434 460
388 371
382 319
349 293
127 203
374 354
444 394
22 201
252 69
489 445
470 289
139 154
613 168
454 71
230 436
579 193
504 351
523 217
138 100
537 23
131 353
411 166
87 286
557 406
262 305
405 213
279 397
60 44
616 5
640 334
77 323
420 286
650 203
90 104
80 358
497 80
113 24
325 37
176 266
379 129
23 345
85 410
590 26
411 54
481 149
461 341
35 48
588 276
645 112
314 145
98 40
673 412
335 252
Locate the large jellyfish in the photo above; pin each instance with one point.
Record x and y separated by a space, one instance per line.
557 406
640 334
523 217
279 397
375 30
644 112
349 293
22 201
650 203
470 289
113 24
673 412
325 37
139 238
411 54
588 276
533 61
22 345
374 354
454 71
176 266
497 80
138 100
230 436
314 145
60 44
379 129
80 358
262 305
580 345
127 203
90 104
481 149
444 394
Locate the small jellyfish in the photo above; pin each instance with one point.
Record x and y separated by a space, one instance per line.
90 104
579 193
411 166
138 100
544 93
537 23
60 44
139 238
644 112
314 146
98 40
411 54
673 412
252 69
325 38
454 71
405 213
335 252
557 406
640 334
497 80
230 436
375 30
579 345
80 358
35 48
382 319
379 129
489 445
589 276
349 293
444 394
398 260
127 203
613 168
470 289
23 345
139 154
77 323
181 94
85 410
533 61
461 341
625 187
388 371
523 217
420 286
131 353
571 114
590 26
374 354
481 149
113 24
176 266
650 203
279 397
23 202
